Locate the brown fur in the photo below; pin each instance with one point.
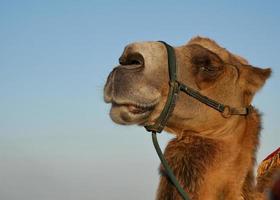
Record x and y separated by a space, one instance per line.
179 153
213 157
203 164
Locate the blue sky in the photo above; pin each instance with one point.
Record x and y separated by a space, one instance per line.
56 138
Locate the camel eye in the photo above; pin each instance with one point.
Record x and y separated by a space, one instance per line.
202 68
208 69
209 72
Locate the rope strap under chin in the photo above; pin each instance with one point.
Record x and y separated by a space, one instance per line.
167 168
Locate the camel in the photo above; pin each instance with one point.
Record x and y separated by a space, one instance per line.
212 156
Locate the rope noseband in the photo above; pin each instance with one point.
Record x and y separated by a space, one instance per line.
174 88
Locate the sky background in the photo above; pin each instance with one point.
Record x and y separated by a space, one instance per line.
56 138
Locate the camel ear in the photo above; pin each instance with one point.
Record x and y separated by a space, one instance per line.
253 79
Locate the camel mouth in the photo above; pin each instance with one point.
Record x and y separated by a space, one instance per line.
135 109
131 113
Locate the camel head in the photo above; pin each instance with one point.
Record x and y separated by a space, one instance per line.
137 88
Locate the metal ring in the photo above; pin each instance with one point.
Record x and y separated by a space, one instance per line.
226 112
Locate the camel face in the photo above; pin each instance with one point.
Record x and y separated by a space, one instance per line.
138 87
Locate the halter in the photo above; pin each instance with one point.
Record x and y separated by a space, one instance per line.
174 88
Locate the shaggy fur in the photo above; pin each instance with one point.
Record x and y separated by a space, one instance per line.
189 157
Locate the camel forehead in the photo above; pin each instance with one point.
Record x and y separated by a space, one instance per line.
222 52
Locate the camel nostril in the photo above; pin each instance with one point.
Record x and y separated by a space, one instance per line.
122 61
132 59
135 62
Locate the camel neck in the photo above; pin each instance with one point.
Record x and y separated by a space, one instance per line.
196 160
